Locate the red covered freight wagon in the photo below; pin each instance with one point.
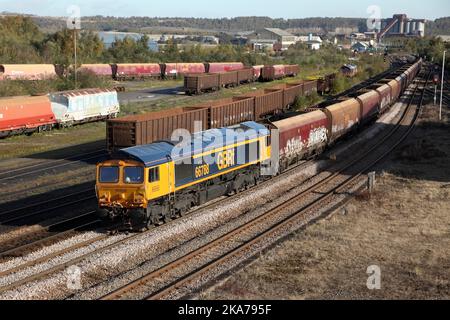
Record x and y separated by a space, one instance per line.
301 136
270 73
27 71
223 66
133 71
173 70
25 115
101 70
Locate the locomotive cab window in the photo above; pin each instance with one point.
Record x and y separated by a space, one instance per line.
153 175
133 175
109 175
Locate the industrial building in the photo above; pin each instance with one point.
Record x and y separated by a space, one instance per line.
313 42
270 37
401 25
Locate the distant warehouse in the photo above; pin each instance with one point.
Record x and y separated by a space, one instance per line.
271 38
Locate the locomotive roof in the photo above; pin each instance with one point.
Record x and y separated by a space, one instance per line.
161 152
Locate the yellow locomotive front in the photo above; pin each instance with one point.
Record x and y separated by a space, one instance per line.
121 189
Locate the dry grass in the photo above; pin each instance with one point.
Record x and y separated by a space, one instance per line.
404 228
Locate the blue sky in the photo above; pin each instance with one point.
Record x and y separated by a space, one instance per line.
430 9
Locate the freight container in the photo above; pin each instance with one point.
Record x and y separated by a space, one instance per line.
245 75
223 66
25 115
301 136
78 106
154 126
198 83
133 71
270 73
102 70
174 70
267 102
343 117
369 103
27 71
228 79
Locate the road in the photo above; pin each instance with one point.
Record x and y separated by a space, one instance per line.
149 94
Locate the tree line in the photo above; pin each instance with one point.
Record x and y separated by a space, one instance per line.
133 24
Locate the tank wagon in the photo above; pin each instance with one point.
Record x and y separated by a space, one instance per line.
151 184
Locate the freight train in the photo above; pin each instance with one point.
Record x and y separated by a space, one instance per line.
151 184
199 83
20 115
136 71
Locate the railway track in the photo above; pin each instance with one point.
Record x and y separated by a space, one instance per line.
8 175
20 250
239 244
43 207
47 235
366 83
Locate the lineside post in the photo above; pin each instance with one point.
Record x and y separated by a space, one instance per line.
371 181
442 86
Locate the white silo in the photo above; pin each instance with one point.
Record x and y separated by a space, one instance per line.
408 27
421 28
